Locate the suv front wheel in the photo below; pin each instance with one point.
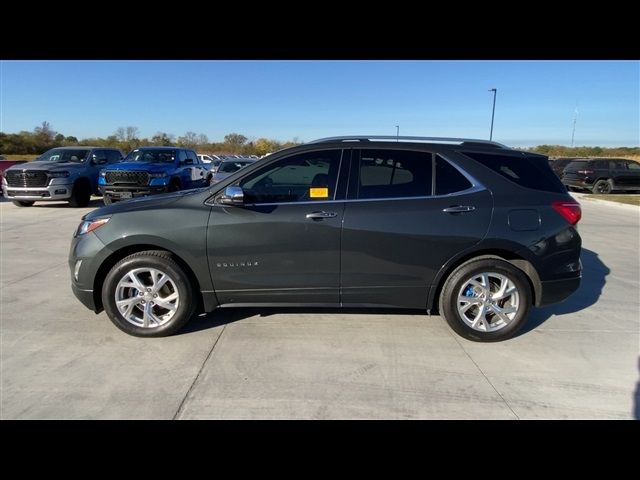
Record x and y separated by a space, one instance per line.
486 300
148 294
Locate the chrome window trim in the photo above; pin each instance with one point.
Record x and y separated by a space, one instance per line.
476 186
473 189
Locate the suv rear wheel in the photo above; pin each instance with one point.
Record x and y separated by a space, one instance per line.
603 187
148 294
486 300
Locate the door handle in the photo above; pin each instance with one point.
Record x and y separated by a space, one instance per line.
459 209
321 215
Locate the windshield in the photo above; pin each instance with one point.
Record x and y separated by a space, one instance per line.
61 155
230 167
151 156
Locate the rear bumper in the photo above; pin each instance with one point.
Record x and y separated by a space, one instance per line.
578 183
554 291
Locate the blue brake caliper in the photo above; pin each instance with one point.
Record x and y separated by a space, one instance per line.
469 292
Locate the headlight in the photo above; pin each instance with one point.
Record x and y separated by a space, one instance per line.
91 225
158 175
58 174
103 173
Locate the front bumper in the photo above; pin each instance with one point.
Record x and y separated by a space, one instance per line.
124 193
91 252
85 297
52 192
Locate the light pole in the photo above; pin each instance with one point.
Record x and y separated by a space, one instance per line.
493 111
397 133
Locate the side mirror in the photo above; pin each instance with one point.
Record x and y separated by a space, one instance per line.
232 195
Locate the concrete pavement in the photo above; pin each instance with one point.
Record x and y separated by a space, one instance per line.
578 359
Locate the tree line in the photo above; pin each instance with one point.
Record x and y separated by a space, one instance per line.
562 151
43 137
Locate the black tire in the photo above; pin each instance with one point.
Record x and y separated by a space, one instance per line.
155 259
449 297
80 195
174 186
23 203
603 187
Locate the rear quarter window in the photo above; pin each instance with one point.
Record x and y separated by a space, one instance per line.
577 165
528 171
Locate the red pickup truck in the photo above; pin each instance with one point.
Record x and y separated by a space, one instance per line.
4 164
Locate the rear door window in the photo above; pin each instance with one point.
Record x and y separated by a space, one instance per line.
529 171
619 164
394 174
601 165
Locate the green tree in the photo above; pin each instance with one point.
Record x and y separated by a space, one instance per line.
262 146
235 141
162 139
189 139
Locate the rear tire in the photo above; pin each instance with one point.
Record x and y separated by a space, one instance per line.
23 203
603 187
80 195
178 286
496 327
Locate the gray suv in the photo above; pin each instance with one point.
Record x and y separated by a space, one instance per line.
65 173
469 228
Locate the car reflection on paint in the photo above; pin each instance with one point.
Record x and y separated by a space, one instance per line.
228 167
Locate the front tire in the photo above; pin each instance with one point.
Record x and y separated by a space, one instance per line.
148 294
174 186
80 195
23 203
486 300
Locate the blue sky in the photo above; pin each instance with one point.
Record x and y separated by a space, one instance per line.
311 99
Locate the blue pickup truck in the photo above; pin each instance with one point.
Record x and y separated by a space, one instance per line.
149 170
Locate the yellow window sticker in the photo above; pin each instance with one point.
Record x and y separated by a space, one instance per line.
318 192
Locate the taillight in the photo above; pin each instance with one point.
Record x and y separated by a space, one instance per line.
585 172
570 211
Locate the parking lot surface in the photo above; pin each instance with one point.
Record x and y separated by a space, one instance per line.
577 359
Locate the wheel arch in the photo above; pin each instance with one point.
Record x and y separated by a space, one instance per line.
509 256
125 251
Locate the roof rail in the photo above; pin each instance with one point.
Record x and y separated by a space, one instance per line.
366 138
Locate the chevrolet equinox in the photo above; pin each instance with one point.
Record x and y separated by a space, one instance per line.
468 228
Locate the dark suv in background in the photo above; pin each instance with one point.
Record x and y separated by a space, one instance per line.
602 175
559 164
469 228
